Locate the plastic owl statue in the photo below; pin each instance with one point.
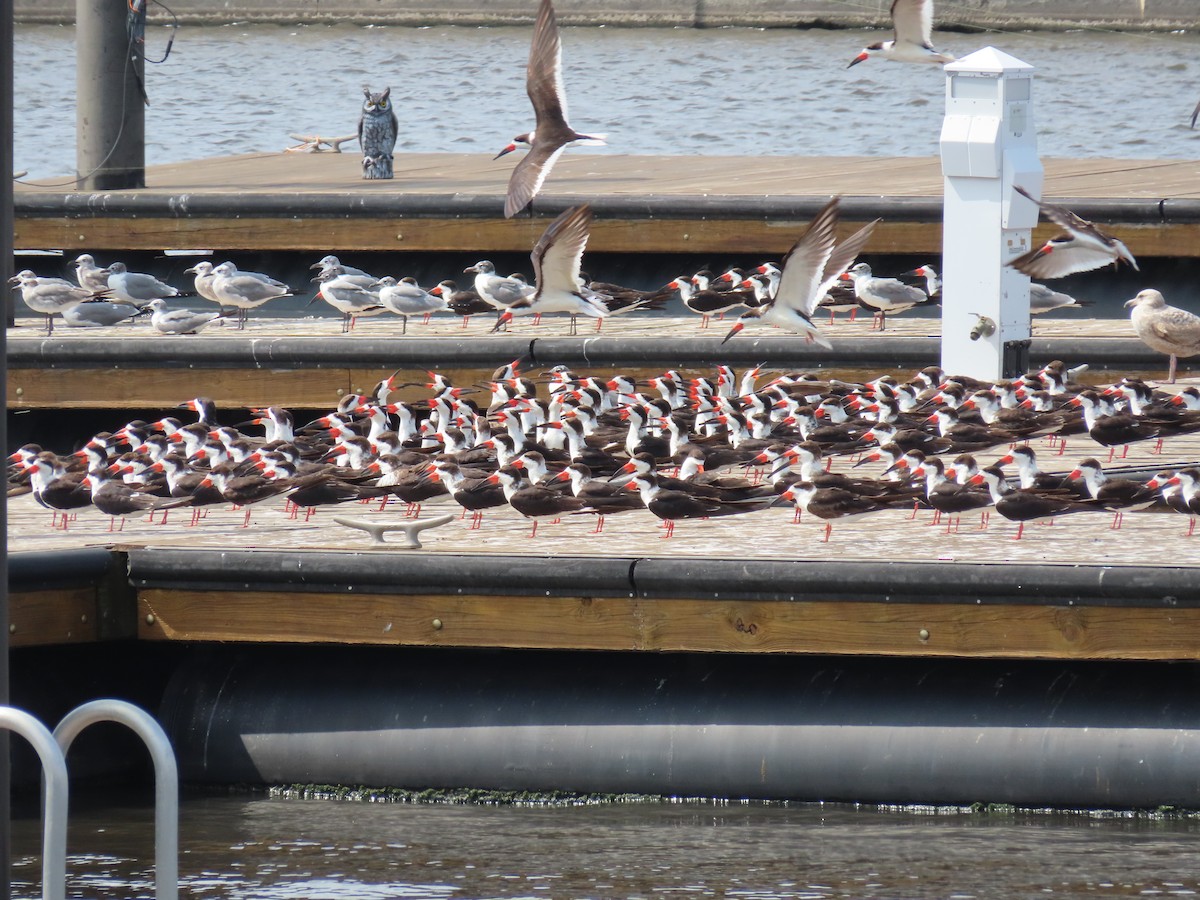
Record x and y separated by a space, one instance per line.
377 134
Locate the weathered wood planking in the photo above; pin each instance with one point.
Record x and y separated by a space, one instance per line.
606 623
64 616
578 177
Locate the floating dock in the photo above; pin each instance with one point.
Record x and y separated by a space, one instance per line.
743 657
317 202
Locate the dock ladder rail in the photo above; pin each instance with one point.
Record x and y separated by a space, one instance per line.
52 750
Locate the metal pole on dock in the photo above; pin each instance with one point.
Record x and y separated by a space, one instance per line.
6 266
110 119
988 145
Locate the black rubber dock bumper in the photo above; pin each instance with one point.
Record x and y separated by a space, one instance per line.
913 731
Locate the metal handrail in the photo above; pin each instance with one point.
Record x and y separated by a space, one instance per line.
54 801
166 779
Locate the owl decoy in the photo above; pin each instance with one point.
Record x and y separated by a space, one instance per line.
377 127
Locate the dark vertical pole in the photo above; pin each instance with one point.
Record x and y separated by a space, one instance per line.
110 119
6 259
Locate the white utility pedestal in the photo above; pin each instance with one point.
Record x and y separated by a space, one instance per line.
988 144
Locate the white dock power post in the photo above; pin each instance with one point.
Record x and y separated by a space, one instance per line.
988 144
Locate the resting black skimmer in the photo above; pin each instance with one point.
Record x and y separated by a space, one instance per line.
1084 246
551 131
913 38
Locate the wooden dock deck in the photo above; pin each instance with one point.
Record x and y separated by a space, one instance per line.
644 204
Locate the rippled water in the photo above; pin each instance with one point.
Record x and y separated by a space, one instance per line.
237 89
270 849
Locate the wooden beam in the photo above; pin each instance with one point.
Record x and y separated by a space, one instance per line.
64 616
606 623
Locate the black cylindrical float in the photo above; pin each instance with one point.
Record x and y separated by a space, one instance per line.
837 729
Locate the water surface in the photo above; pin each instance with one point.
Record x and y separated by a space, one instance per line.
272 848
728 91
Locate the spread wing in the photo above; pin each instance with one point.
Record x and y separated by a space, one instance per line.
804 265
528 175
543 75
1056 260
1060 215
913 21
558 254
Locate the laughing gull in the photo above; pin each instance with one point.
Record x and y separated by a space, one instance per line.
136 287
178 321
245 290
49 296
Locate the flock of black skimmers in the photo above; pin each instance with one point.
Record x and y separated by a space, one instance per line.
679 447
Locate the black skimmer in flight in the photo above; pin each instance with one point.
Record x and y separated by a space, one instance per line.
1165 329
551 131
805 276
1084 246
556 258
912 41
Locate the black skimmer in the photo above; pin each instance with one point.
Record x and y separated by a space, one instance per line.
1084 247
534 501
671 505
116 499
912 41
601 497
1117 494
1165 329
55 488
179 321
551 132
1030 476
1025 506
699 298
808 271
884 295
1181 492
472 494
245 290
949 498
829 504
1115 429
556 259
49 296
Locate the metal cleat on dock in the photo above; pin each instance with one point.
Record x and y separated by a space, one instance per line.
410 530
314 143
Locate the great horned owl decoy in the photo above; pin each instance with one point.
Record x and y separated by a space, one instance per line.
377 134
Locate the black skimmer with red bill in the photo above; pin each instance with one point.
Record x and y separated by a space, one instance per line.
1084 246
601 497
884 295
1165 329
1022 506
697 297
1117 494
1112 430
672 505
1181 492
830 504
474 495
808 270
535 501
951 499
556 258
551 132
56 489
912 40
116 499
